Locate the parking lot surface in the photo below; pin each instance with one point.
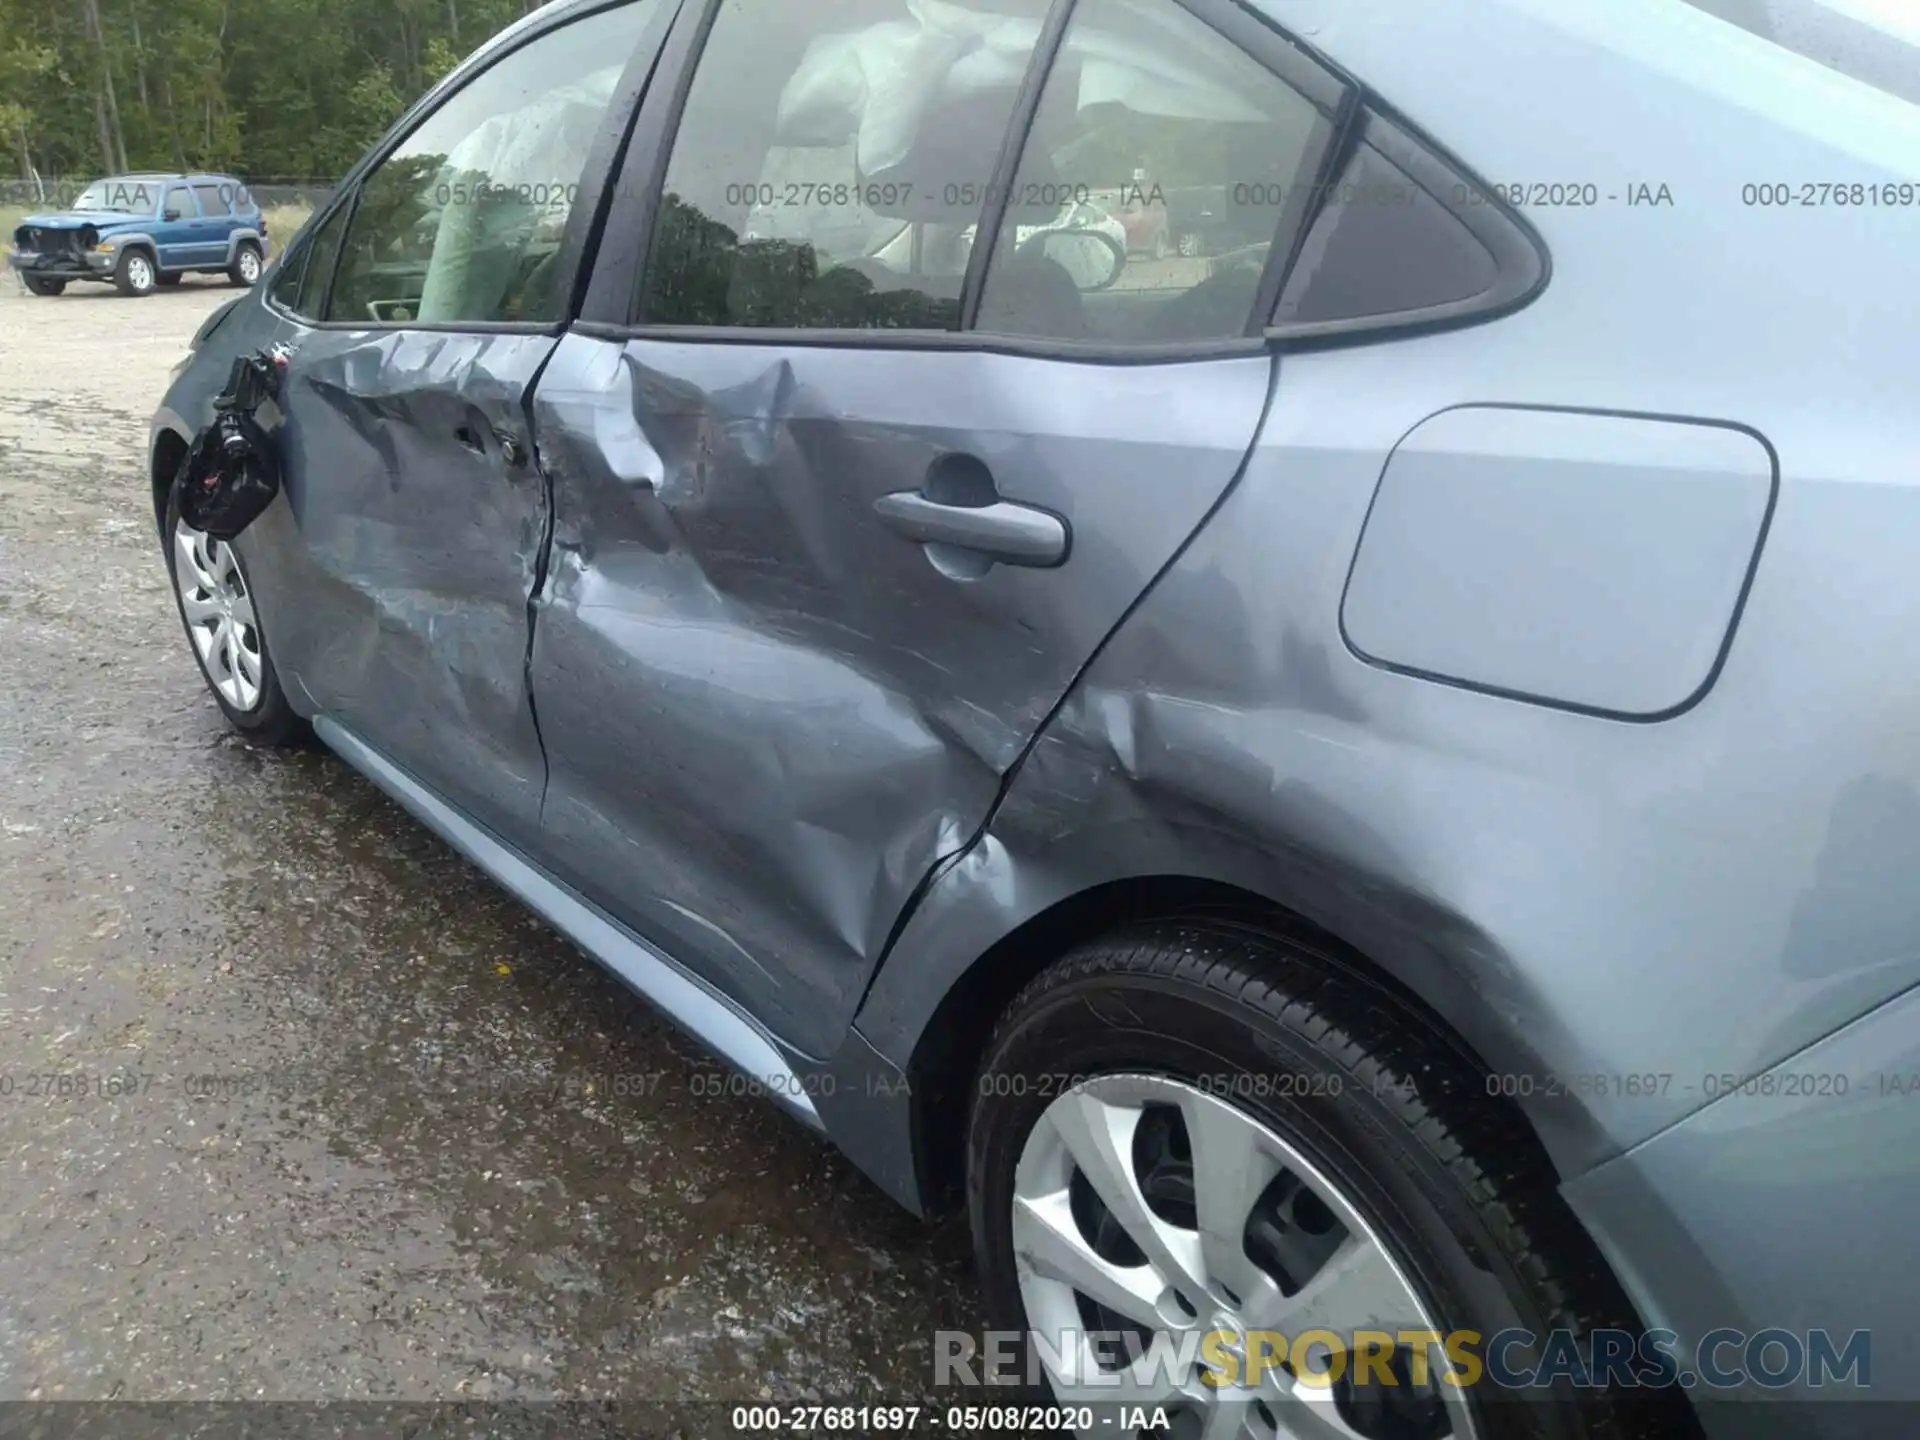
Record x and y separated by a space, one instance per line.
294 1104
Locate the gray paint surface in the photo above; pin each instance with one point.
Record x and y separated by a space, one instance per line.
742 669
1713 1215
1585 560
407 550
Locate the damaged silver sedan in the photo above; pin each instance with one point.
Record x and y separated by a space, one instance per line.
1297 759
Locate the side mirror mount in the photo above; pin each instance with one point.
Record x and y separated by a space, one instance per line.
169 214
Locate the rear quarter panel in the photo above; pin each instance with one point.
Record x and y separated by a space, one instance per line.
1615 913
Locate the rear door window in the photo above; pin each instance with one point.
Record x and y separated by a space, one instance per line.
212 201
1160 165
832 161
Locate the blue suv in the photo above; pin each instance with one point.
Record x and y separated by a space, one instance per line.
141 231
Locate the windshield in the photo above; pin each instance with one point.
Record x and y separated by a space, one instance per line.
121 196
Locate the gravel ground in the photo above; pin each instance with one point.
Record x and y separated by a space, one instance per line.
294 1104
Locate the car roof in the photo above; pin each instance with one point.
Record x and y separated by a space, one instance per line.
188 175
1876 42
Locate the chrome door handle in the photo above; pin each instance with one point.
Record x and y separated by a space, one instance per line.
1011 534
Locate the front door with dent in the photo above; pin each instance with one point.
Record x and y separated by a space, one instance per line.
823 561
423 310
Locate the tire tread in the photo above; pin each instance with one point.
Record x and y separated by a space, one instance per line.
1381 1039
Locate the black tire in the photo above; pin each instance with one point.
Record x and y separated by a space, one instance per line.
247 254
1362 1083
136 272
272 721
40 285
167 279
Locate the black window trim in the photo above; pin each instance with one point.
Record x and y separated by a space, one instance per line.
1522 263
1006 165
584 221
614 299
294 254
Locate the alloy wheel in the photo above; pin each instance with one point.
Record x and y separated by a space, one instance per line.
219 615
249 265
139 272
1154 1214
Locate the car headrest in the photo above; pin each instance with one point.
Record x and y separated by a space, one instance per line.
944 173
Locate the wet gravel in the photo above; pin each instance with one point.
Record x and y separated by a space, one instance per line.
294 1104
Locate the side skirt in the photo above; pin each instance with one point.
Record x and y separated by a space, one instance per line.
709 1017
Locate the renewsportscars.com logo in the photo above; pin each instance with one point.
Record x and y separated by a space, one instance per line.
1086 1362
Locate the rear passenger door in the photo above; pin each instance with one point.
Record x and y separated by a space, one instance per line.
873 431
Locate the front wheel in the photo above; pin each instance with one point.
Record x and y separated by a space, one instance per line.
246 266
135 274
215 600
40 285
1233 1178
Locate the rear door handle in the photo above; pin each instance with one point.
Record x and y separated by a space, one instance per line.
1012 534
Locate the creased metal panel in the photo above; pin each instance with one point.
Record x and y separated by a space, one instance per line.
767 713
416 551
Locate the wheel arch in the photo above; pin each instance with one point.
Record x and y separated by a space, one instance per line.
968 951
169 449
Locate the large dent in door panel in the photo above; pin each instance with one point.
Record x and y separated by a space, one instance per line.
768 716
805 757
414 554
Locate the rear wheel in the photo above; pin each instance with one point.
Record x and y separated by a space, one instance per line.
247 264
215 600
136 273
1199 1130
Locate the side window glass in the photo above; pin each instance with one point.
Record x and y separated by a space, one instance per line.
180 202
1152 185
463 222
302 282
286 281
212 202
833 161
1389 246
